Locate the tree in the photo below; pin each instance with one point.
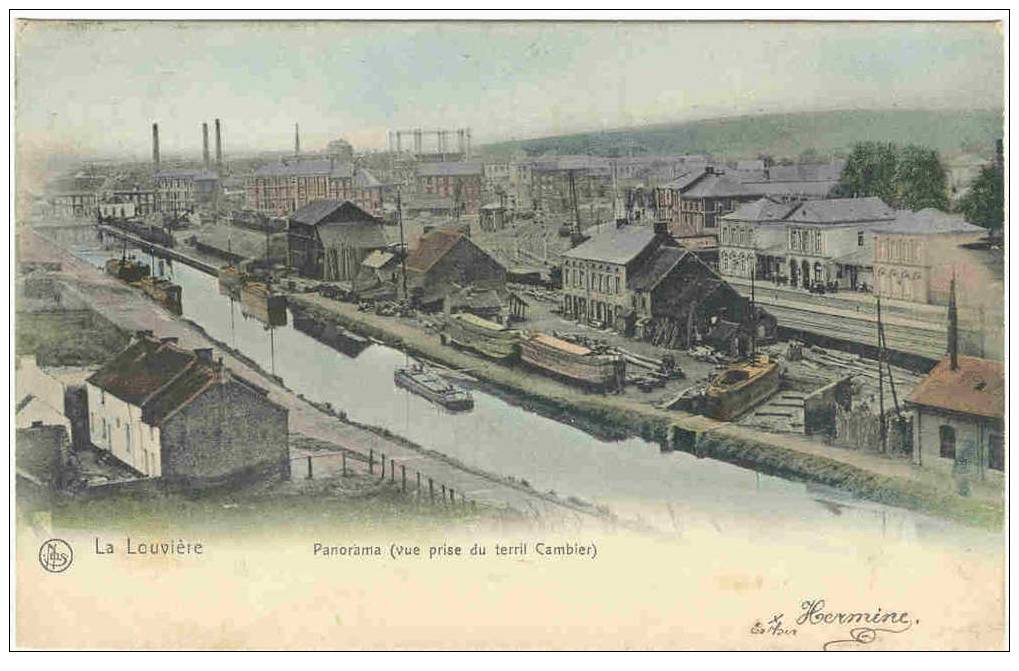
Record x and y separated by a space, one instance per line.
920 180
984 203
910 177
870 171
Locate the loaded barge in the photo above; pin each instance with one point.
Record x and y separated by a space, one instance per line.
487 338
573 362
329 334
259 301
740 387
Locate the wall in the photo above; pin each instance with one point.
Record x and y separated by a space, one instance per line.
117 427
819 406
227 429
969 434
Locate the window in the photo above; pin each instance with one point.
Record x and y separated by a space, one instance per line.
996 452
617 286
859 239
947 437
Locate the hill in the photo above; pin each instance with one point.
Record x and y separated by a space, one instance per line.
950 132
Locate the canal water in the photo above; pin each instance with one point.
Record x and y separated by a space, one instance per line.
632 477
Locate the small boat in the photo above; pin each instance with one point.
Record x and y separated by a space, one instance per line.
573 362
164 292
424 382
740 387
482 336
259 301
231 280
127 270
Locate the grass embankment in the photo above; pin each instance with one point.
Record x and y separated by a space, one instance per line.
621 417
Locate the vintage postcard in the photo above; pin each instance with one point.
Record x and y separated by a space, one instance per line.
509 335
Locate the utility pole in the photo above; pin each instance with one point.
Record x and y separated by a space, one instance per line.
881 379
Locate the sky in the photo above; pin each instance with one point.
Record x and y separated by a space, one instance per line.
95 88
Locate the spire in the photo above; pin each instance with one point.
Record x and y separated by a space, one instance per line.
953 326
297 140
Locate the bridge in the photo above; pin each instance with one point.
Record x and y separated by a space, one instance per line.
159 250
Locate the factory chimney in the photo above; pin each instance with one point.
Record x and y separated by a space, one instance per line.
155 146
205 145
219 147
297 140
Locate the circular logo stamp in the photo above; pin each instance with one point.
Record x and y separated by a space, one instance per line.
56 555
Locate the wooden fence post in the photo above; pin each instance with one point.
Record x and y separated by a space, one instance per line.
371 461
392 470
382 472
444 494
309 467
431 490
419 483
403 476
344 464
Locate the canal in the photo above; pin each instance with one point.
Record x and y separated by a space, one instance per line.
633 478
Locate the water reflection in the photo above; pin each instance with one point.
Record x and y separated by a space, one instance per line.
632 477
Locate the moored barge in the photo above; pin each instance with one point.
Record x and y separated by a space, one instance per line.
573 362
259 301
485 337
164 292
127 270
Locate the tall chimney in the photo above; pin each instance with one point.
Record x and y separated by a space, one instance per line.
953 327
155 146
219 147
205 145
297 140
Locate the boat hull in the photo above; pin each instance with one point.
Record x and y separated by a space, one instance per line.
726 405
592 370
500 345
265 307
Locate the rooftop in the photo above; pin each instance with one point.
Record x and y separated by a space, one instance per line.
614 244
325 167
658 267
316 211
431 247
976 387
842 210
931 221
762 211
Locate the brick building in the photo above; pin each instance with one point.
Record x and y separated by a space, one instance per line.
185 190
459 181
283 188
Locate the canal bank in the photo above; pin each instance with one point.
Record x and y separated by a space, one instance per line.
887 481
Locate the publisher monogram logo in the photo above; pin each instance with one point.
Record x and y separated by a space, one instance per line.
56 555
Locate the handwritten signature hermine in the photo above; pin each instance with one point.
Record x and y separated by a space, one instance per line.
815 613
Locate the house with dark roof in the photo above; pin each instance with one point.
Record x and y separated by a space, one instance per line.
679 301
959 411
284 187
459 181
328 239
446 260
177 414
597 273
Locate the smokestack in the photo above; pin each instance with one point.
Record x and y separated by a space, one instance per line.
205 145
155 145
297 140
219 147
953 327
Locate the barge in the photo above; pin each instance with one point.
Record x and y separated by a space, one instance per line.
231 281
485 337
418 379
127 270
164 292
330 334
259 301
572 362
